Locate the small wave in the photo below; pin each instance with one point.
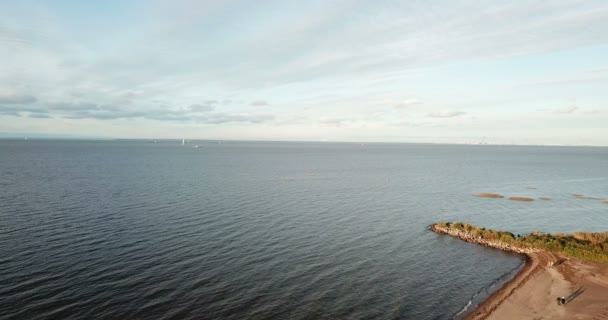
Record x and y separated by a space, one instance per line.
464 309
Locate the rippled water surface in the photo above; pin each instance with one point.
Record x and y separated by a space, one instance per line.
133 229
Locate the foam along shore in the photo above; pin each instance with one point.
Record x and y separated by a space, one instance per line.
546 275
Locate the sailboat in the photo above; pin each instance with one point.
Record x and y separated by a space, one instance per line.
183 142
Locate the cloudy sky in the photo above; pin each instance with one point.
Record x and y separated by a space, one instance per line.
524 72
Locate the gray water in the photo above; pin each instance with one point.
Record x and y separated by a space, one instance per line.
243 230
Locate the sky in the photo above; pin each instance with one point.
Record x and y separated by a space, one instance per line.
507 72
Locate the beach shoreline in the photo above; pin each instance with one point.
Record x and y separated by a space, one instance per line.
531 293
491 303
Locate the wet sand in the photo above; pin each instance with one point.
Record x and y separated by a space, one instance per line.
532 293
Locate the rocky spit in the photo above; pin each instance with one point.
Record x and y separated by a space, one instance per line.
468 237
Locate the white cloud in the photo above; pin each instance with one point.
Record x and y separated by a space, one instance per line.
445 114
17 99
566 110
259 103
205 107
333 121
593 111
220 118
407 102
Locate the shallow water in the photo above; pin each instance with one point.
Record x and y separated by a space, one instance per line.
133 229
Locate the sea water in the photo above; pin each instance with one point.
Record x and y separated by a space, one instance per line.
271 230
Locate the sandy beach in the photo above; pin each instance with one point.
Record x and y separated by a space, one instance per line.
532 293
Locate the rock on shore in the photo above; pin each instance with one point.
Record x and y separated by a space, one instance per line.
468 237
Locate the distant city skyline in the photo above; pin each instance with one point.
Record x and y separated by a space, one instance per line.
519 72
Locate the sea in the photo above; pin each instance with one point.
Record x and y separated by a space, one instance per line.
273 230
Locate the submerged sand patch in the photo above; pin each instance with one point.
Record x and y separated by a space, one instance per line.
580 196
488 195
521 199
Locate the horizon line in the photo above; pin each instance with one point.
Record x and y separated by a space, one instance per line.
67 138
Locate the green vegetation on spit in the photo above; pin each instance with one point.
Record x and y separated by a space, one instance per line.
582 245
